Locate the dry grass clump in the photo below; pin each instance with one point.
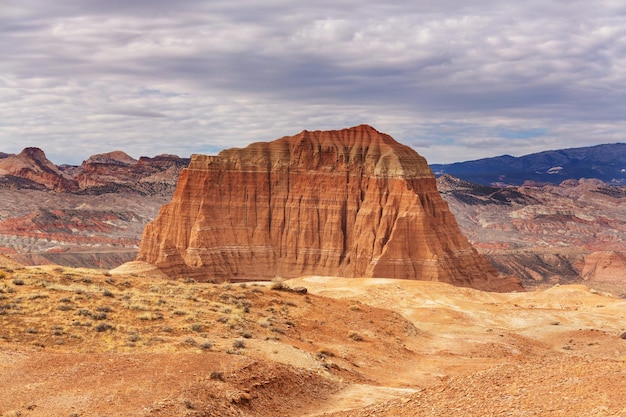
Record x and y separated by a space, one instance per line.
356 336
85 310
278 284
77 310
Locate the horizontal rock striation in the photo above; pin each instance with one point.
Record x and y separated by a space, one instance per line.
115 169
605 266
543 233
32 164
351 203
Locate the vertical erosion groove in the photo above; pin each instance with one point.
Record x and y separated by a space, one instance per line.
383 209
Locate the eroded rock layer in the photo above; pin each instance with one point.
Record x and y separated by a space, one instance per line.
32 165
605 266
351 203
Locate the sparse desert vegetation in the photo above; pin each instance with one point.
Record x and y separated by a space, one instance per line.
81 302
85 342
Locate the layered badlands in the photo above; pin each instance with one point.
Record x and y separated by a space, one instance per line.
545 233
81 342
352 203
93 215
89 215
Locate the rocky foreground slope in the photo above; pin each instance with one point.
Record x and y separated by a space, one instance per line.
351 202
87 343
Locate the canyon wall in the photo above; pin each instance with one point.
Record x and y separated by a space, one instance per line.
351 203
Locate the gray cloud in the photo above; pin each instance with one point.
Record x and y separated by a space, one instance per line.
457 82
126 111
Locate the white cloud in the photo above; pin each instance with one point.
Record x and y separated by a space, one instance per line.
148 77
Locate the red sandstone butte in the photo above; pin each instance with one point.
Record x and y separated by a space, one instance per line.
351 203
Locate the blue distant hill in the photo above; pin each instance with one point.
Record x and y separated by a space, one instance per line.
605 162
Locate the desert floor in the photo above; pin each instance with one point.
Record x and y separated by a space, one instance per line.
77 342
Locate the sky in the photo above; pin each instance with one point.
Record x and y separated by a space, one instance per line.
455 80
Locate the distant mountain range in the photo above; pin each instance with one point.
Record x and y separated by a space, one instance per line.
89 215
605 162
544 234
93 214
100 174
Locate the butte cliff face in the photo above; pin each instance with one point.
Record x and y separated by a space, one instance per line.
351 203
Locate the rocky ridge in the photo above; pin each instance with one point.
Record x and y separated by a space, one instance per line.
90 215
606 162
101 173
352 202
543 233
116 168
32 164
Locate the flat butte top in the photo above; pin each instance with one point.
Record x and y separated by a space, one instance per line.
360 150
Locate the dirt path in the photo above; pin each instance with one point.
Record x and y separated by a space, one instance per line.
358 396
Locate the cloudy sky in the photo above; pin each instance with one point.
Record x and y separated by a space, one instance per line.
457 80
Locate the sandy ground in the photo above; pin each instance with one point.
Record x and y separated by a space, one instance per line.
349 347
553 352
